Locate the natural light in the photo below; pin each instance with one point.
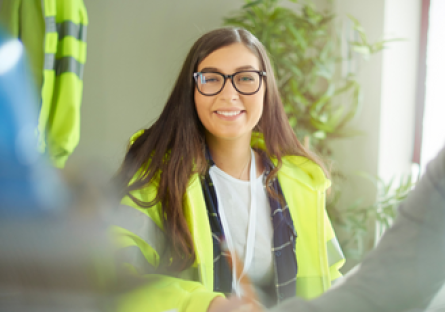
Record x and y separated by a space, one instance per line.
433 123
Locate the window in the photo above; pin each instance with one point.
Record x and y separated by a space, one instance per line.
433 130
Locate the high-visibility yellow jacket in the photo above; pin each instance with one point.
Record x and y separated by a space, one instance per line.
54 35
139 232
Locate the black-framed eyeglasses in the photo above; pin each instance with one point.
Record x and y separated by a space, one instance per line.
246 82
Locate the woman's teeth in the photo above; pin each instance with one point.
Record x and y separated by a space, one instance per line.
231 113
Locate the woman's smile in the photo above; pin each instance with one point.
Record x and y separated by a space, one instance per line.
230 115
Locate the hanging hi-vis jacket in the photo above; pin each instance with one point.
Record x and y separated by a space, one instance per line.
54 35
139 232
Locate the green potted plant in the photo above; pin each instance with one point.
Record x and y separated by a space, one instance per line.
304 49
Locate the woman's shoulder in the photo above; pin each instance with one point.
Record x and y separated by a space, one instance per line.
145 194
305 171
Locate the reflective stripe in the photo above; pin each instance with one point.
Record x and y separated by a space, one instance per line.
134 256
66 28
50 61
141 225
69 64
50 24
66 64
335 254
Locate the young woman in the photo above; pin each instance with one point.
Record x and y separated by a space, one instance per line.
222 161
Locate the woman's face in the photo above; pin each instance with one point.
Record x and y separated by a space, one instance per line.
229 114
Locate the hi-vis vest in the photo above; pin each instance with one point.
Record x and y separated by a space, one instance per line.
54 35
139 233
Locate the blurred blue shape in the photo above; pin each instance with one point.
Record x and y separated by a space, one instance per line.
28 185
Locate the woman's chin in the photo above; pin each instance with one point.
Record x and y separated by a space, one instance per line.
231 135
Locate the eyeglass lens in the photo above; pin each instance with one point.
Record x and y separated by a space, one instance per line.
245 82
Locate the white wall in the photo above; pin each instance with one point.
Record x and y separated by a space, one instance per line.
388 83
433 135
360 153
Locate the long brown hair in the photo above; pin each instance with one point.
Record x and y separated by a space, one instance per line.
172 149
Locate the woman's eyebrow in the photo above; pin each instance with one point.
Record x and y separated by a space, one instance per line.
214 69
246 67
209 69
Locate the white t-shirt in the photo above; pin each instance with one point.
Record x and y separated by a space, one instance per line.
234 195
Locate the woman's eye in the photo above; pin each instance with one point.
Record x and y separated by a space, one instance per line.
210 79
245 78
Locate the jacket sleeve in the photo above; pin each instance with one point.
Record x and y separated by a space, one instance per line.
336 259
65 58
141 243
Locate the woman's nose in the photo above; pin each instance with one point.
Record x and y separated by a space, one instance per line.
229 90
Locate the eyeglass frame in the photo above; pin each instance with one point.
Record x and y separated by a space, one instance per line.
260 73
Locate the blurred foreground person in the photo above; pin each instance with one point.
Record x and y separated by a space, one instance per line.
407 268
26 183
54 252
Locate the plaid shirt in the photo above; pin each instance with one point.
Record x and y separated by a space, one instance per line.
284 239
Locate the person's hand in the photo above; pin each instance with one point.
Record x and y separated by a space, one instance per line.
232 304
